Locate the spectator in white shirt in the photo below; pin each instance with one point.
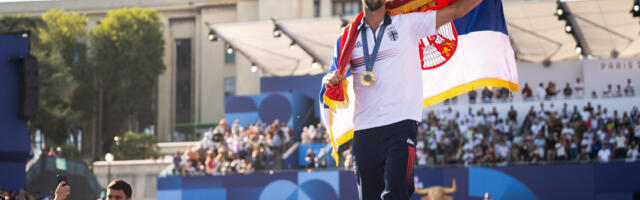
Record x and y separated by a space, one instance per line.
604 154
618 92
632 154
567 130
561 153
541 92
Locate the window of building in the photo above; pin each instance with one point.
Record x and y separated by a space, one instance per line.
316 8
183 81
346 7
229 86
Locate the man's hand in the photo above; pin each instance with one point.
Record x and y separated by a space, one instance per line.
334 79
454 11
62 191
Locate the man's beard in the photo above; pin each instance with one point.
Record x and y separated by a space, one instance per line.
374 6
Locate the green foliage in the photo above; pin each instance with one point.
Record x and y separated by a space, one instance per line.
128 47
70 152
134 146
60 52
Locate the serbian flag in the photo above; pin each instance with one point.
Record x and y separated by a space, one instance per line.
470 53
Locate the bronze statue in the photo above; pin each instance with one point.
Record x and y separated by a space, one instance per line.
437 192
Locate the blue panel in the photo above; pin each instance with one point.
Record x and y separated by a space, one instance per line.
617 177
276 107
244 192
171 182
329 178
237 104
14 140
214 193
303 109
279 189
168 194
549 182
201 182
553 181
307 86
498 184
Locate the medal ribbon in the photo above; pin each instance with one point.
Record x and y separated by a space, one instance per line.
370 59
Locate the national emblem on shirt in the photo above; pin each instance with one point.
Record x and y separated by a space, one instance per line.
392 33
437 49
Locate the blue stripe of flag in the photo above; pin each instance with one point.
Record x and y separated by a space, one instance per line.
488 16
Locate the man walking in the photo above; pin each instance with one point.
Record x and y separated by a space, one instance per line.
388 90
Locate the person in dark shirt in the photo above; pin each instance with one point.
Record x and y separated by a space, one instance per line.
487 95
311 159
512 115
473 95
567 91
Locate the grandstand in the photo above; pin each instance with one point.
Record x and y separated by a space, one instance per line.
235 115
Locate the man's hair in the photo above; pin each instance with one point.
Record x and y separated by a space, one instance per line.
119 184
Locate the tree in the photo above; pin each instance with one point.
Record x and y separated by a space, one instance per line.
127 48
134 146
62 50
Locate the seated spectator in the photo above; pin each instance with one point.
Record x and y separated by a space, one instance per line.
618 92
567 91
608 92
526 92
503 94
632 154
579 88
551 90
473 95
541 93
628 90
512 115
177 160
310 159
604 155
487 95
594 95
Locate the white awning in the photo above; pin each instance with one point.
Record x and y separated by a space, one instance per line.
536 35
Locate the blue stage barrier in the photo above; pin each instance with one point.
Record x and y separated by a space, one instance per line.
592 181
14 138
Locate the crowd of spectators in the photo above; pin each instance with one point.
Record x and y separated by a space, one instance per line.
22 195
228 149
577 91
314 134
547 134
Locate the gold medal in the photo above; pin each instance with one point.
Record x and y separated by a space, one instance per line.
367 78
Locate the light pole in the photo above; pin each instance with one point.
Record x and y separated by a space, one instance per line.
109 158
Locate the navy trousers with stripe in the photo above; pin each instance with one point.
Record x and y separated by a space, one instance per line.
384 159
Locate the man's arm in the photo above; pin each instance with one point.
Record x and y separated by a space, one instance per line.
455 11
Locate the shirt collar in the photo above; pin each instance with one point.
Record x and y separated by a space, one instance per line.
386 21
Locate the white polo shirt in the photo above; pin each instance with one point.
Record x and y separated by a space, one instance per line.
396 94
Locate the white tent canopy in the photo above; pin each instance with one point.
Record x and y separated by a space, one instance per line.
536 35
